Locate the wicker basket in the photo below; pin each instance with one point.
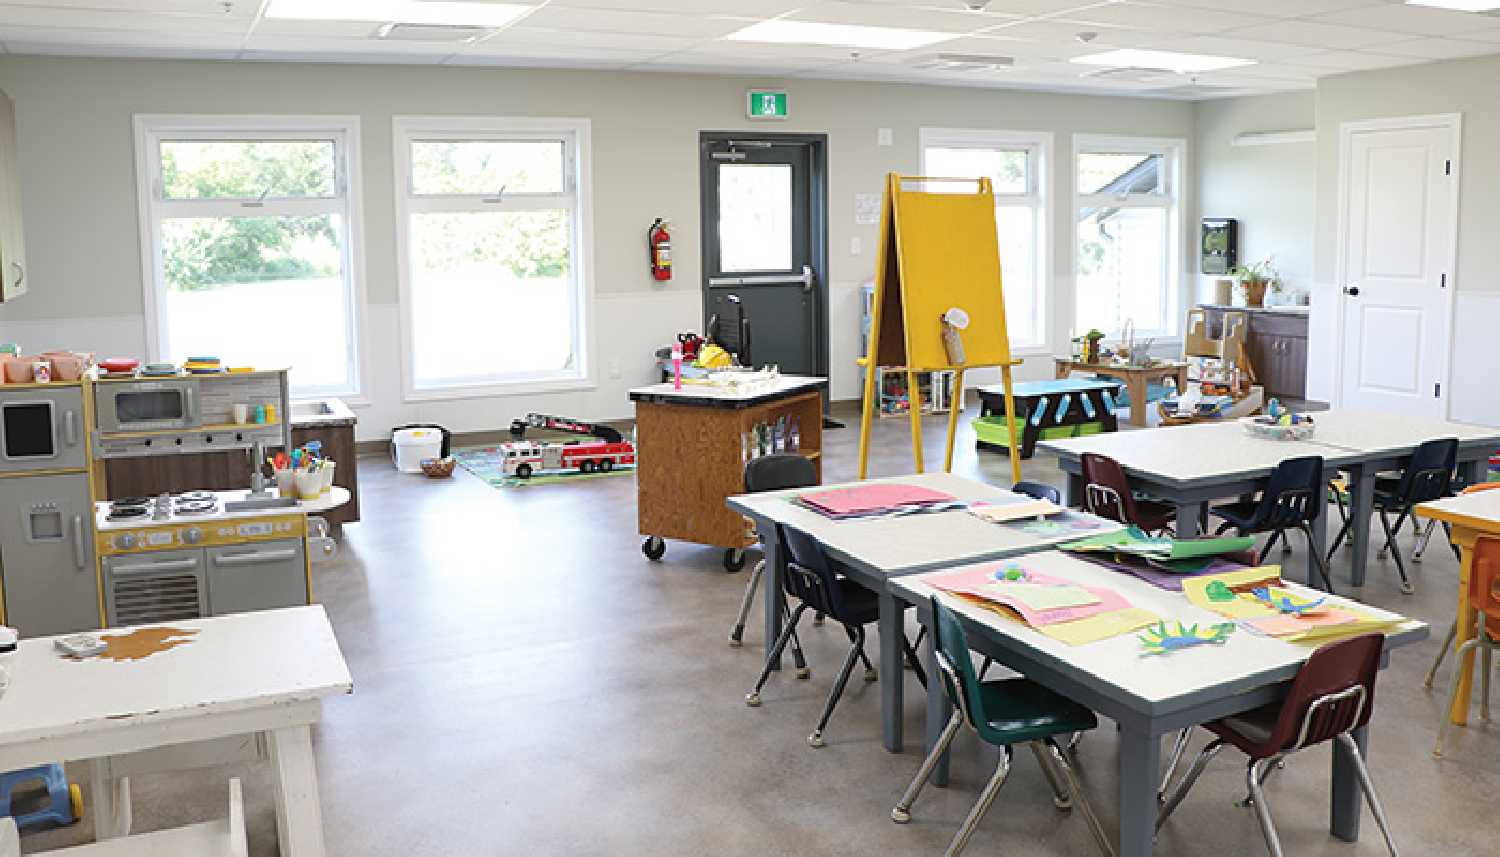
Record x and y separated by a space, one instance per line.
1259 427
438 468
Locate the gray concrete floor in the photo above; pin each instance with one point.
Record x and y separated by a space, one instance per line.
527 683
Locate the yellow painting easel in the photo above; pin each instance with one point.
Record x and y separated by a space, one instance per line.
938 251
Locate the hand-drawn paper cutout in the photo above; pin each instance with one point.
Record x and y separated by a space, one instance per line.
1168 637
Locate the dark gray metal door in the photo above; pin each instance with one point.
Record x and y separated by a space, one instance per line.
765 244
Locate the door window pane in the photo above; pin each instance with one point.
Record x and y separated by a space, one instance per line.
492 295
1016 226
1122 268
1007 168
487 166
247 169
1134 173
261 291
755 217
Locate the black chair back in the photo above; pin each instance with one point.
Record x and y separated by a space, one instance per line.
1293 495
778 472
807 574
1429 476
1039 491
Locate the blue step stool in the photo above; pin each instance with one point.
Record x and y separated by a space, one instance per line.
64 801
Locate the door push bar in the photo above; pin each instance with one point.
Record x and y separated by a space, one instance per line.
806 278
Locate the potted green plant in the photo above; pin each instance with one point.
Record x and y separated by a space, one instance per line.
1255 279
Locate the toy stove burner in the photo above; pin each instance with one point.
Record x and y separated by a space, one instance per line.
119 512
196 507
130 501
195 497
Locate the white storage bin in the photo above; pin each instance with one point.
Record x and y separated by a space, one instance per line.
409 446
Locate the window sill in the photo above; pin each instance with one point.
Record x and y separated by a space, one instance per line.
484 391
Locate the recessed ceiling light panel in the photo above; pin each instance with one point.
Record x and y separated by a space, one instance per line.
1458 5
1168 60
456 13
784 32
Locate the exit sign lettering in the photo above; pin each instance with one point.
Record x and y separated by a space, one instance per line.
767 104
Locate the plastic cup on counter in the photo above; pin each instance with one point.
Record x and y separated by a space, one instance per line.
241 414
41 371
326 471
309 484
286 482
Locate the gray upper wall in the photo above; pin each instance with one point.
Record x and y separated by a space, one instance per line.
77 152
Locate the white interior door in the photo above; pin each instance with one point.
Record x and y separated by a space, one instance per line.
1399 216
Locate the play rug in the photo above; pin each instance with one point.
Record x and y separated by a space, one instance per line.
484 462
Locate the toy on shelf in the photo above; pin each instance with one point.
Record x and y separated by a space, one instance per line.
526 458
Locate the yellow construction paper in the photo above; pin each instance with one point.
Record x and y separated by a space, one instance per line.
1364 623
999 513
1101 626
1040 596
1195 588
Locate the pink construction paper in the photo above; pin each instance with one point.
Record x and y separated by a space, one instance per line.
874 497
1285 624
974 583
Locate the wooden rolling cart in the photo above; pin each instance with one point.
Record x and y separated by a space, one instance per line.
691 457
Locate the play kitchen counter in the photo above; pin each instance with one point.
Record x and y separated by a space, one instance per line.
201 559
690 447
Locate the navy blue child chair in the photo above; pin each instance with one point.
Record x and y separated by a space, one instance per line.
1429 476
776 472
1292 500
809 578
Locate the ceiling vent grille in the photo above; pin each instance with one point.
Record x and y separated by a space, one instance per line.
965 62
429 33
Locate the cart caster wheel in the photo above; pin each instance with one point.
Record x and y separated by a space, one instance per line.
817 620
752 699
815 740
654 548
1286 550
872 674
75 801
804 672
900 816
734 560
1407 588
1416 557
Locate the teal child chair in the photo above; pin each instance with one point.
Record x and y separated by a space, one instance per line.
1004 713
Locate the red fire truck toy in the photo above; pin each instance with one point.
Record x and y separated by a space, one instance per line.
526 458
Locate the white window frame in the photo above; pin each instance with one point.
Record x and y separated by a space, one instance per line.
1172 198
577 197
1038 146
343 131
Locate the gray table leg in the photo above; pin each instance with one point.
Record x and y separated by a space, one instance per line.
1472 472
939 709
1188 515
1318 549
891 677
772 595
1345 800
1075 491
1140 767
1361 506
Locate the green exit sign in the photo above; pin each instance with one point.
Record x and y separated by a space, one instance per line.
767 104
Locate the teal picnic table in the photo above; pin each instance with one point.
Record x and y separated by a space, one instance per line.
1054 409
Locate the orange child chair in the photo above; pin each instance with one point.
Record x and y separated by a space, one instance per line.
1453 629
1484 599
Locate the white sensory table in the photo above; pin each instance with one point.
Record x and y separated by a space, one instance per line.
256 677
1190 466
1147 696
873 551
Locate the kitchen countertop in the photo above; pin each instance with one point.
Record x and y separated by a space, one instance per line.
1287 310
337 414
335 497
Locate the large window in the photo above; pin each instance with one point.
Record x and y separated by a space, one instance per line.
493 223
1016 164
249 235
1128 228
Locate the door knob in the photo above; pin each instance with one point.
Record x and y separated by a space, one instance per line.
1351 291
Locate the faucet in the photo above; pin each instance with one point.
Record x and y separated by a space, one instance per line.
258 488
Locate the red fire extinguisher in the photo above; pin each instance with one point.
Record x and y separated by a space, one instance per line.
659 242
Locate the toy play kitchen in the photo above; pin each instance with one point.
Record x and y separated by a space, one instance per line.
69 563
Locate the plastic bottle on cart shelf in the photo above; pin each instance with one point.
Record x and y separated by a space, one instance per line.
793 436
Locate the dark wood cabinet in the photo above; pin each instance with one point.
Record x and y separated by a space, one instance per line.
1277 346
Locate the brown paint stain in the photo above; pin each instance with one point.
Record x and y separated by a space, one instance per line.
144 642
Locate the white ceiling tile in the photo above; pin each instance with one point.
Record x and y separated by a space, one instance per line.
579 41
1224 46
736 8
119 19
370 49
1337 61
1401 18
268 27
206 8
1273 8
1174 18
1440 49
60 37
1316 34
1486 34
1061 32
615 21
